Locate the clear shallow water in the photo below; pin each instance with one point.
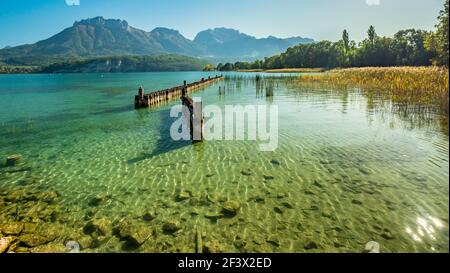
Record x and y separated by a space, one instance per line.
348 169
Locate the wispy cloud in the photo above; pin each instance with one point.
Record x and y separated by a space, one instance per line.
373 2
73 2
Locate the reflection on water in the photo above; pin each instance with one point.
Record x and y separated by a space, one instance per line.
350 169
426 229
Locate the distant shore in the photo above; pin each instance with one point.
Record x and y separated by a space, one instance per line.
39 70
286 70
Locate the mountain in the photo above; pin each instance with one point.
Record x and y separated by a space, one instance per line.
173 42
99 37
230 43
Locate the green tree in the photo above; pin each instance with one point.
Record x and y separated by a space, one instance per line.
372 35
208 67
438 41
409 47
346 40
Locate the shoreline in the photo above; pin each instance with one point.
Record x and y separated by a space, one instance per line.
285 70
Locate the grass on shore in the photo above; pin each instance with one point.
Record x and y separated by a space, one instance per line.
428 86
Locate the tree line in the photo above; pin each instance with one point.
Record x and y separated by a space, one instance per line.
409 47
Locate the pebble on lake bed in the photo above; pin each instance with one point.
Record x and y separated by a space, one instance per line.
275 162
73 247
12 160
171 227
231 208
184 195
5 243
372 247
246 172
134 233
11 228
149 216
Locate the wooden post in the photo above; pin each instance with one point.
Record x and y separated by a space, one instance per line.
141 93
197 135
139 100
184 90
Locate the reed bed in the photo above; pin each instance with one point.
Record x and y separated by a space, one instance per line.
426 86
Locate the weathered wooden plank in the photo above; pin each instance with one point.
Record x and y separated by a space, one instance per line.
143 100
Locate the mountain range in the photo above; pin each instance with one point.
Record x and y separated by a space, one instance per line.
97 37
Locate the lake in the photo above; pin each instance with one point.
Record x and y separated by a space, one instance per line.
349 169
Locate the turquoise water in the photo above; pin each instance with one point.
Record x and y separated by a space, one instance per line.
348 169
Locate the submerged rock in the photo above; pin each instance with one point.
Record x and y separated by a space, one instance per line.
29 228
214 216
184 195
99 199
149 216
327 213
287 205
14 246
246 172
274 241
387 235
278 210
85 242
372 247
240 243
365 171
317 184
136 234
311 245
5 242
98 227
275 162
98 241
73 247
171 227
49 197
13 160
258 199
22 250
50 248
11 228
231 208
282 195
90 213
213 246
34 240
268 177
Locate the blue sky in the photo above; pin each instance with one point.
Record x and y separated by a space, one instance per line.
27 21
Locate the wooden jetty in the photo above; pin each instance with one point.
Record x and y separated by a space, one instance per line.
143 100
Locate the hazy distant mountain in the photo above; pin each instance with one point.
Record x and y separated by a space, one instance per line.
230 43
98 37
172 41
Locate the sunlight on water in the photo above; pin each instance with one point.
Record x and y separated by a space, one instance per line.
349 169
